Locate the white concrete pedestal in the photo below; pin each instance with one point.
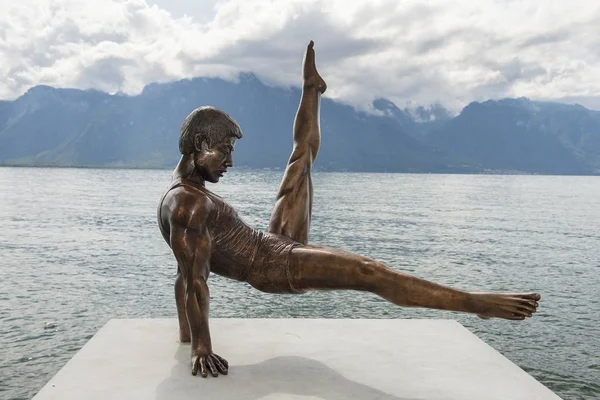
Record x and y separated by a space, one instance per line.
295 359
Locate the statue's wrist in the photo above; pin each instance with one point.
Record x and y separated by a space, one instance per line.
201 344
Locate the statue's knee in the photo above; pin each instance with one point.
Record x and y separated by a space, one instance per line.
368 268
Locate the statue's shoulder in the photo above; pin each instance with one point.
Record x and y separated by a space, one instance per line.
187 203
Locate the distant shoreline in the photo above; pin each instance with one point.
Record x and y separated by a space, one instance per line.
15 165
138 167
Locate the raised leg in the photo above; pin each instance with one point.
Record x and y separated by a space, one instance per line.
323 268
184 326
292 212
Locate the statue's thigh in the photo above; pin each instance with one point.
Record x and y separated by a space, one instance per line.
326 268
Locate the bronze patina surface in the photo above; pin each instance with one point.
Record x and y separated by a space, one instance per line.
207 235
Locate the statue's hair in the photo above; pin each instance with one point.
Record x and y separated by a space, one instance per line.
212 124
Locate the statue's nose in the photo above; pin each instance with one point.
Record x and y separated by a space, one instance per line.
229 161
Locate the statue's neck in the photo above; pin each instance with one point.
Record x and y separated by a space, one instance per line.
186 169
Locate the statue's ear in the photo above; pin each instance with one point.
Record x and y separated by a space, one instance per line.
200 143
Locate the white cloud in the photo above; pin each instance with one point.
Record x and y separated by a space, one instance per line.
443 51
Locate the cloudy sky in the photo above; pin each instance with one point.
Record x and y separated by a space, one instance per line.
451 52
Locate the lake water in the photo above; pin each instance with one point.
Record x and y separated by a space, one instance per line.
81 246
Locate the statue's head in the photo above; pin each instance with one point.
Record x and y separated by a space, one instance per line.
208 135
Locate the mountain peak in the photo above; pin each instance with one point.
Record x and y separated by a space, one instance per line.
41 89
248 77
428 113
384 104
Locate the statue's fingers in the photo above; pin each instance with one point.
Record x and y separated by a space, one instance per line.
223 361
222 368
211 367
195 365
203 367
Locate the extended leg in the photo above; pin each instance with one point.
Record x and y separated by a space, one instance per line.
326 268
292 212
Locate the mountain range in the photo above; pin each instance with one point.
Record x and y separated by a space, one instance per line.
69 127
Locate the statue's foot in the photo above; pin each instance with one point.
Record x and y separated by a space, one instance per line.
515 306
312 79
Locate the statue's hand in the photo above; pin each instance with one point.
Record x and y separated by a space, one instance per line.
208 362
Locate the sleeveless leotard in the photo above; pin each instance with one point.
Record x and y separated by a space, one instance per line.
241 252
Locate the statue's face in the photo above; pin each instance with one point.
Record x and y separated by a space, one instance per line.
212 162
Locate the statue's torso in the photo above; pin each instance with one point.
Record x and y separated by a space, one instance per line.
234 244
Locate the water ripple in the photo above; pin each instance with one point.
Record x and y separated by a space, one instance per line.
78 255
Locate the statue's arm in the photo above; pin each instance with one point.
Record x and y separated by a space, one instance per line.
191 244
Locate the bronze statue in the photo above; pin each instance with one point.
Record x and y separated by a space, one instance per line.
207 235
